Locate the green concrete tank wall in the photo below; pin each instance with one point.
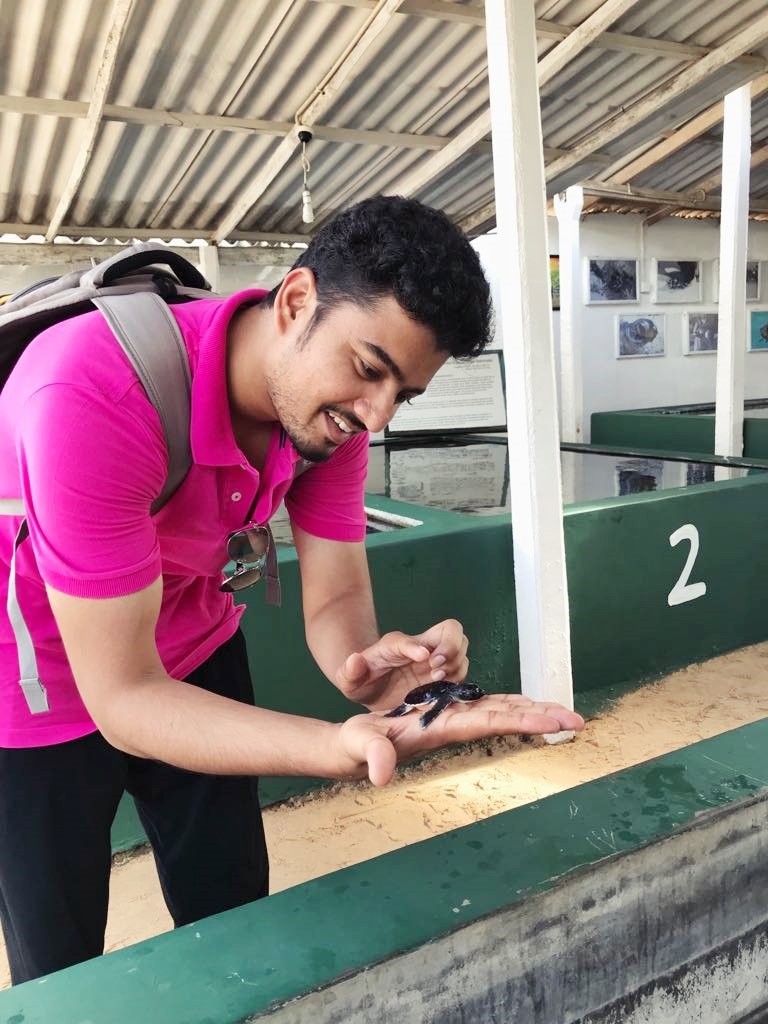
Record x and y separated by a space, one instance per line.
637 898
659 431
652 430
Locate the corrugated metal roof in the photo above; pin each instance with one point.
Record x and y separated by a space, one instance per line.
201 98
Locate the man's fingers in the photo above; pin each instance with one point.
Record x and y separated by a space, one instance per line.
474 721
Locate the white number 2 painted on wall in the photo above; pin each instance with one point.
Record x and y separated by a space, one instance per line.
683 590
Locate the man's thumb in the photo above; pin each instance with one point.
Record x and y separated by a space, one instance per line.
354 671
382 758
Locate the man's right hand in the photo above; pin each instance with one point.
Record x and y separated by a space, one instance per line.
372 745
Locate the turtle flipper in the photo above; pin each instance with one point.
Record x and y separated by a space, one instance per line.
403 709
437 709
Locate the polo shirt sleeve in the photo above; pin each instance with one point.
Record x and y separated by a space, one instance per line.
90 468
327 500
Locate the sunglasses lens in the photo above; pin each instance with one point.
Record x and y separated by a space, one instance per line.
240 580
248 545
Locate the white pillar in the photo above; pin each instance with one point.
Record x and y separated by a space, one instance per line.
568 207
732 322
209 264
534 456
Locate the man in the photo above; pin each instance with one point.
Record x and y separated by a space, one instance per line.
138 645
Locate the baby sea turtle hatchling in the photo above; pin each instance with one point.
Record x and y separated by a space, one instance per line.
439 695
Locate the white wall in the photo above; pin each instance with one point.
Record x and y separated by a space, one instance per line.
672 379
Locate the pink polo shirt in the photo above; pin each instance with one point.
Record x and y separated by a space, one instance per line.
83 446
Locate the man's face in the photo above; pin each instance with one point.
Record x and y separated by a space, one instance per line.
350 372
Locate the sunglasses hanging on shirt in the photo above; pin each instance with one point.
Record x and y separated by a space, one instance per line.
247 548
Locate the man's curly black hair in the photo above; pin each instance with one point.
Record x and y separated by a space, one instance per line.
390 245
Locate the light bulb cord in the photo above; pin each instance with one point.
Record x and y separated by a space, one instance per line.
305 164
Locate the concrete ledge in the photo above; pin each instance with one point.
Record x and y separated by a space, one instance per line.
636 898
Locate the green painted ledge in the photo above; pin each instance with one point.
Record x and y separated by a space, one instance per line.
236 966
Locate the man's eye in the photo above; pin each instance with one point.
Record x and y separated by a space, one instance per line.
368 371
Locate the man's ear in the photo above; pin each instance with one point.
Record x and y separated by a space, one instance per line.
295 300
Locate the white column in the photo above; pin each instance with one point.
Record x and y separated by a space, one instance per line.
568 207
534 457
732 324
209 264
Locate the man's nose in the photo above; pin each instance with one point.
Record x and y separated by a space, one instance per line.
375 413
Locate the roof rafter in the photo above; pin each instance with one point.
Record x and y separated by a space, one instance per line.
272 24
545 29
694 200
581 38
120 15
709 184
686 133
312 108
750 36
644 45
38 106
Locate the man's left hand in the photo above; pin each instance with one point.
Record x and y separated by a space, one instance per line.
382 674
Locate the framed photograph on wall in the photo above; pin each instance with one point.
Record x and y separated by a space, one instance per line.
640 334
677 281
554 281
758 330
753 280
610 281
700 334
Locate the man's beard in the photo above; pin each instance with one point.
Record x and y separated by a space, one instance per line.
311 453
308 450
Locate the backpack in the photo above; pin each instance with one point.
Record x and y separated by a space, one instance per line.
132 290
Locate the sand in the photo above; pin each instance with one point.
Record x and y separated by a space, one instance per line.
349 823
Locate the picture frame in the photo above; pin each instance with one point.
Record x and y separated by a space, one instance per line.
676 281
640 335
554 281
754 280
758 330
610 280
700 333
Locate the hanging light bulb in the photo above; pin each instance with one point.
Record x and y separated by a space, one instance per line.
307 211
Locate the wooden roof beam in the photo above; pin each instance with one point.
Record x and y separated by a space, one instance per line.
747 38
581 38
696 199
120 15
709 184
686 133
622 41
310 110
41 107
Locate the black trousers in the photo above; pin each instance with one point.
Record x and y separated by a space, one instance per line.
57 805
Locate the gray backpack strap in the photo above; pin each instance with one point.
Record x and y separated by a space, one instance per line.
29 678
149 335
